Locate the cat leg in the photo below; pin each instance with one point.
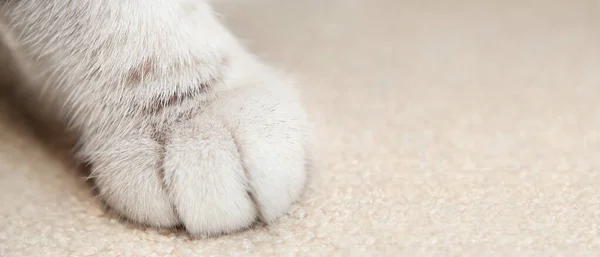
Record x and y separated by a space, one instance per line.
181 125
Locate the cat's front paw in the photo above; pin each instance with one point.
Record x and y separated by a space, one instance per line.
233 160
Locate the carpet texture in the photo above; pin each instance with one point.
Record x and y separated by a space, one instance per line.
446 128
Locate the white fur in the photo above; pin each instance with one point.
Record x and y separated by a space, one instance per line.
216 162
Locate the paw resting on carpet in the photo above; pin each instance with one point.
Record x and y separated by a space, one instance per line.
181 124
212 165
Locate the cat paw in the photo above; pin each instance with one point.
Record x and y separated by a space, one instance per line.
230 160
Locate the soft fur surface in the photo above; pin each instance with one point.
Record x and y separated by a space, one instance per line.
177 122
452 128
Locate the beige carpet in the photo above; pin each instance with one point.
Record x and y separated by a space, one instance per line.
451 128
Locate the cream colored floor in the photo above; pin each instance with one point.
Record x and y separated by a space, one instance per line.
449 127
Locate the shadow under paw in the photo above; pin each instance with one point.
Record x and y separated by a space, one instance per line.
21 112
